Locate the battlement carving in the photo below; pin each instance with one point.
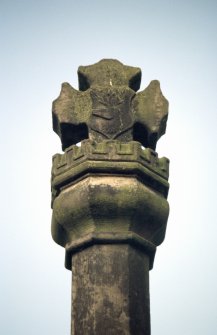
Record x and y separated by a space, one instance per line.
108 157
110 151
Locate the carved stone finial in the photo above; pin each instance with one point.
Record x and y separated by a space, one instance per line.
107 107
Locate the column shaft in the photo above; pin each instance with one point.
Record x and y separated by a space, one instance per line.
110 291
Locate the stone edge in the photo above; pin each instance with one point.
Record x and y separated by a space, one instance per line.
109 238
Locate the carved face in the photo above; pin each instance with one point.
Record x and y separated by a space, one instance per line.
111 112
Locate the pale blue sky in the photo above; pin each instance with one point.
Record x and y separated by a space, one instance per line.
42 45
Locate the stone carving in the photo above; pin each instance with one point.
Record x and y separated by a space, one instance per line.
108 107
78 161
109 195
112 122
111 116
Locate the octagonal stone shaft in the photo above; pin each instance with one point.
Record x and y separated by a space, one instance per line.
110 291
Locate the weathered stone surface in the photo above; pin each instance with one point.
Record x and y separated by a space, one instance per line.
150 112
109 72
108 204
112 116
112 157
109 195
110 291
107 107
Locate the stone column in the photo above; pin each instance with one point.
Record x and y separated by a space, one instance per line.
110 290
109 195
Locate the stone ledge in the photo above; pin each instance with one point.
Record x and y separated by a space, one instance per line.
109 158
118 169
109 238
110 150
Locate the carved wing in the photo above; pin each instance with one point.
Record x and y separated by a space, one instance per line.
150 110
71 111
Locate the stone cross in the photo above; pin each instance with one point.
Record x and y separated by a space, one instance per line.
107 107
109 195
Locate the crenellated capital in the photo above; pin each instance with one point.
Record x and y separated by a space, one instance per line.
109 192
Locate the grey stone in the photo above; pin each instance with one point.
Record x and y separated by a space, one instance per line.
110 291
107 107
109 195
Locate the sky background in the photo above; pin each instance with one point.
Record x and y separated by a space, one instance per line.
42 45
